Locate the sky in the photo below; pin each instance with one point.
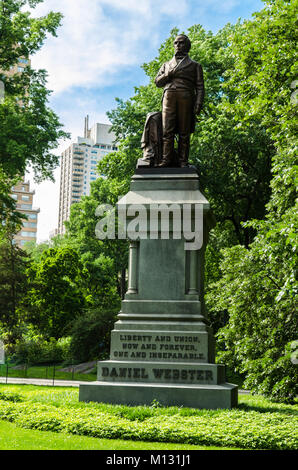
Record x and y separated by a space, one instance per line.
97 56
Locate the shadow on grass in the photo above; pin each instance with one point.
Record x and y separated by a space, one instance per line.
267 409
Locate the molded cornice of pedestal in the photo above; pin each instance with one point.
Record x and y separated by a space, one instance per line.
166 186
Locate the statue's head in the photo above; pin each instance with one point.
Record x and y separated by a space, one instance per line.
182 44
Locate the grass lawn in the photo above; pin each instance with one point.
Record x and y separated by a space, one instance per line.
14 438
257 423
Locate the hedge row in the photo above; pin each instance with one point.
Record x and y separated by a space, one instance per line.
236 428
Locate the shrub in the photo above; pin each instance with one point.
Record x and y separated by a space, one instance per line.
36 350
10 396
90 335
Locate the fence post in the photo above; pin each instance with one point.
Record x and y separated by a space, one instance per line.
6 372
72 375
53 375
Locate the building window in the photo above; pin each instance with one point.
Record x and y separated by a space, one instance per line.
28 234
26 206
25 198
14 196
21 69
29 224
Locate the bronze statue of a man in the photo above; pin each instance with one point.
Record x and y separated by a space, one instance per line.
182 79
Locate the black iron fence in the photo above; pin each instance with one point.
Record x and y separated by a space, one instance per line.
49 372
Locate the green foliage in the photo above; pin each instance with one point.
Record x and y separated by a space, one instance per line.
262 321
257 424
36 350
73 288
102 259
90 335
8 212
13 286
21 122
35 250
266 58
22 35
29 129
258 286
15 438
54 297
10 396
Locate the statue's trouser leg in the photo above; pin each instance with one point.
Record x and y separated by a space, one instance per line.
169 108
184 112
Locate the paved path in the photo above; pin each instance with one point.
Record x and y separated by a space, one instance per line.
57 383
49 382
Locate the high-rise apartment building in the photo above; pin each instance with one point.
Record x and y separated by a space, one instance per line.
78 166
24 204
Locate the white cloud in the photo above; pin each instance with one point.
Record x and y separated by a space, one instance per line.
99 38
150 8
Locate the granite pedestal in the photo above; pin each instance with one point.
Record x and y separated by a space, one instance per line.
162 347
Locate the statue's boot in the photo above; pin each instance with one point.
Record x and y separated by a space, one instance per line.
183 150
168 148
164 164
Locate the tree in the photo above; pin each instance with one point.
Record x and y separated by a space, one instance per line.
259 284
54 296
104 260
13 285
257 289
29 129
91 334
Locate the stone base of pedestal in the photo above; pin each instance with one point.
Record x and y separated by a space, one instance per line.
172 362
134 394
188 384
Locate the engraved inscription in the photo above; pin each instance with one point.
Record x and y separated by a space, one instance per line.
160 347
159 374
